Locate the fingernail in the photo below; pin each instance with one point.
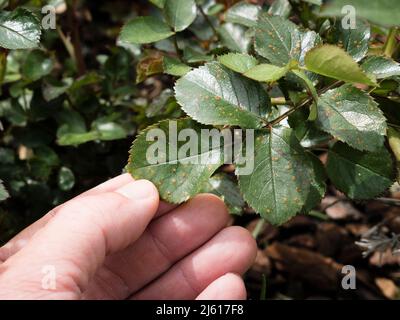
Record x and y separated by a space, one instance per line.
138 190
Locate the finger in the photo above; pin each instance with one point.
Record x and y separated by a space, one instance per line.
76 241
167 240
231 250
227 287
23 237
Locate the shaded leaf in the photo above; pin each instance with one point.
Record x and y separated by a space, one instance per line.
243 13
360 175
37 65
352 116
65 179
177 174
394 142
280 8
145 30
3 192
213 94
224 187
334 62
234 37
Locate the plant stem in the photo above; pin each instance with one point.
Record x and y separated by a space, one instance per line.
302 104
391 43
281 101
259 227
75 36
208 21
178 51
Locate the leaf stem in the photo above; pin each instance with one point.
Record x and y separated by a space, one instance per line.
302 104
281 101
259 227
391 43
208 21
178 51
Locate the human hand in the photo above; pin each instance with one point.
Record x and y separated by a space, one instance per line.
117 241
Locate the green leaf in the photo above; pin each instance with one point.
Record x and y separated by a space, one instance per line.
281 181
280 8
234 37
243 13
224 187
180 14
238 62
381 67
318 185
354 41
3 192
280 41
352 116
109 130
145 30
157 155
266 73
213 94
307 83
19 29
37 65
360 175
158 3
383 12
66 179
334 62
175 67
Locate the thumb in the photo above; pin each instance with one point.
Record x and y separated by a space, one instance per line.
76 241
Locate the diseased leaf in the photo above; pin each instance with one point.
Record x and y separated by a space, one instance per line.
180 13
145 30
334 62
383 12
318 185
175 67
243 13
283 174
148 66
223 186
266 73
37 65
354 41
360 175
381 67
178 172
213 94
234 37
352 116
280 41
238 62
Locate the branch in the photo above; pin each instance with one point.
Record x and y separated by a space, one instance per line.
76 40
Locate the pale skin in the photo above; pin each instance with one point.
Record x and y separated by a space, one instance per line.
118 241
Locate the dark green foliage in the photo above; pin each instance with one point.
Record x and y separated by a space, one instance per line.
73 99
